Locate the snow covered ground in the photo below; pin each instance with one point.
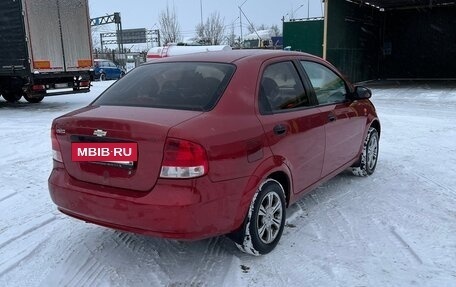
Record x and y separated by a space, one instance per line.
395 228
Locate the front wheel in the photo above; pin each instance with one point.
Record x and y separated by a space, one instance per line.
369 156
265 221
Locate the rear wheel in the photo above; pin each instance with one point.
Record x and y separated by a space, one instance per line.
265 221
34 99
11 96
369 156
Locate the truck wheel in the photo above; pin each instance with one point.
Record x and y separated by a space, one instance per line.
11 96
33 99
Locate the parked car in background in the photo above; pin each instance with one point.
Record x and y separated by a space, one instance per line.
107 70
212 143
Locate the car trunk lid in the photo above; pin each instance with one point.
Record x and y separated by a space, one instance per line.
147 127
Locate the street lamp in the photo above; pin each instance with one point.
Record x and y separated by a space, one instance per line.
292 15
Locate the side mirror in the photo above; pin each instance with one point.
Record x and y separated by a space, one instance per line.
362 93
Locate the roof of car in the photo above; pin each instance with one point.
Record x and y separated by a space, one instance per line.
230 56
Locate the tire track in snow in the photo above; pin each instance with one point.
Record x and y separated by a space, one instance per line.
22 255
8 196
88 272
22 247
86 263
26 231
139 247
354 237
406 245
167 254
336 222
434 182
80 268
209 259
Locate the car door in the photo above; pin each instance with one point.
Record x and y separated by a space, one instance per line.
114 71
344 124
293 124
108 68
104 65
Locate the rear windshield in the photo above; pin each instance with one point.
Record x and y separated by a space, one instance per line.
176 85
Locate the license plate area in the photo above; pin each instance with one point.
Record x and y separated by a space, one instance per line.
116 154
61 85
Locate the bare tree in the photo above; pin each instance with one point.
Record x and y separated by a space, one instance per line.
201 34
262 27
212 32
276 30
231 37
169 26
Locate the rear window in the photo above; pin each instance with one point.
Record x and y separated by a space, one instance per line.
176 85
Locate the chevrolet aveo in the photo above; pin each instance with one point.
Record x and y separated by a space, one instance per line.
208 144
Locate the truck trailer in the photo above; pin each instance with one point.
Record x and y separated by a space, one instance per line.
45 48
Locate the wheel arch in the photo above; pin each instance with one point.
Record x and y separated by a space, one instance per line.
376 124
284 180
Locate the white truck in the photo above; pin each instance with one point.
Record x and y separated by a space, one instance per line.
45 48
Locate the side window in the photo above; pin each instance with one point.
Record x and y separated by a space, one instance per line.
281 89
329 87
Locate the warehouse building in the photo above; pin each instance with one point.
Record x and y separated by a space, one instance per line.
381 39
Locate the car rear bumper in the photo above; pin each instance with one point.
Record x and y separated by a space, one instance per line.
178 209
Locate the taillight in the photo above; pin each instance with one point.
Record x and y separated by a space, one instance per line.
38 88
183 159
84 83
56 154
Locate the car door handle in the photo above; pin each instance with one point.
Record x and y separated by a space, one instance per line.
280 130
332 117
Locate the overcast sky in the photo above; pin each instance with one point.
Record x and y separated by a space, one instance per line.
144 13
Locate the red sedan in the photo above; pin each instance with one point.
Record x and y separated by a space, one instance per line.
201 145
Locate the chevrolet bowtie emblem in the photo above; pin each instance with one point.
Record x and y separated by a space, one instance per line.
99 133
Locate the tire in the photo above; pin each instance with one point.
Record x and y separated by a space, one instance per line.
11 96
369 157
265 221
121 75
102 77
35 99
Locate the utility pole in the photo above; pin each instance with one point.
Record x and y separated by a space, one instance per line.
240 22
201 8
308 9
